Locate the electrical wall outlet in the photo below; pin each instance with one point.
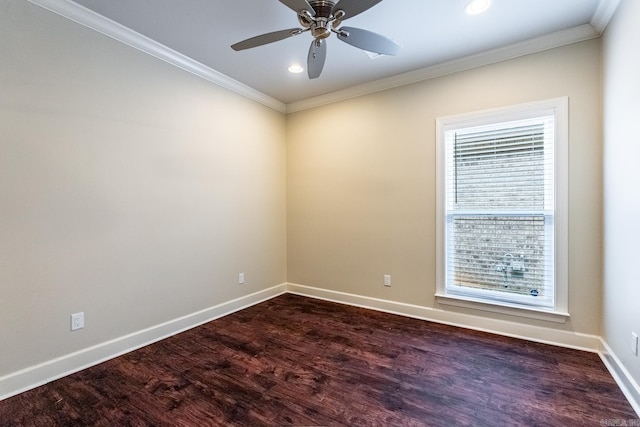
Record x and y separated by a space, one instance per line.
634 343
240 278
387 280
77 321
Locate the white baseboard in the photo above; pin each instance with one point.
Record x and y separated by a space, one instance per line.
552 336
625 381
34 376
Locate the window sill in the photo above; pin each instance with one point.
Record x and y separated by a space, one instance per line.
503 308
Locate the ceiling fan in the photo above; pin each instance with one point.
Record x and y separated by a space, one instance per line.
321 18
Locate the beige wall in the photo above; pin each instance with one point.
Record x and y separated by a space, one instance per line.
129 189
622 183
135 192
361 180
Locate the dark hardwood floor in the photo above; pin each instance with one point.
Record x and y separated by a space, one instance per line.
299 361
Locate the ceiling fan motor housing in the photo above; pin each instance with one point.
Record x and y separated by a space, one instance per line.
320 25
322 8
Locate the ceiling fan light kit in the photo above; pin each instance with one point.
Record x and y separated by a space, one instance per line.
321 18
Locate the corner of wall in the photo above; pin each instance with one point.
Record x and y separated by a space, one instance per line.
621 375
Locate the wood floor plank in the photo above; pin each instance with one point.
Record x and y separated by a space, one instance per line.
298 361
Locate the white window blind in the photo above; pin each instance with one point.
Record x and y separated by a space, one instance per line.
500 211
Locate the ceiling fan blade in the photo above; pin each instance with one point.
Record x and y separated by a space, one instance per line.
266 38
316 58
298 5
352 8
369 41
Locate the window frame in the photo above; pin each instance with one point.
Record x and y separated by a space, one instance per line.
558 107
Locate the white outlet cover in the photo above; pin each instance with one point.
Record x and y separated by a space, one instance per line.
77 321
634 343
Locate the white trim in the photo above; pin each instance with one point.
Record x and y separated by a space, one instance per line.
560 338
559 108
106 26
561 203
557 337
523 111
538 44
103 25
621 375
605 11
503 308
34 376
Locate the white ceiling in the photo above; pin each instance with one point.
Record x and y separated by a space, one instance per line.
431 32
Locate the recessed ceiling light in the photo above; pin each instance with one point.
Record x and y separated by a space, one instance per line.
476 7
296 69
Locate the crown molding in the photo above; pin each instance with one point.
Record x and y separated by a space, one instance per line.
103 25
538 44
605 11
99 23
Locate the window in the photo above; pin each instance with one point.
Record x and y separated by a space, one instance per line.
502 209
